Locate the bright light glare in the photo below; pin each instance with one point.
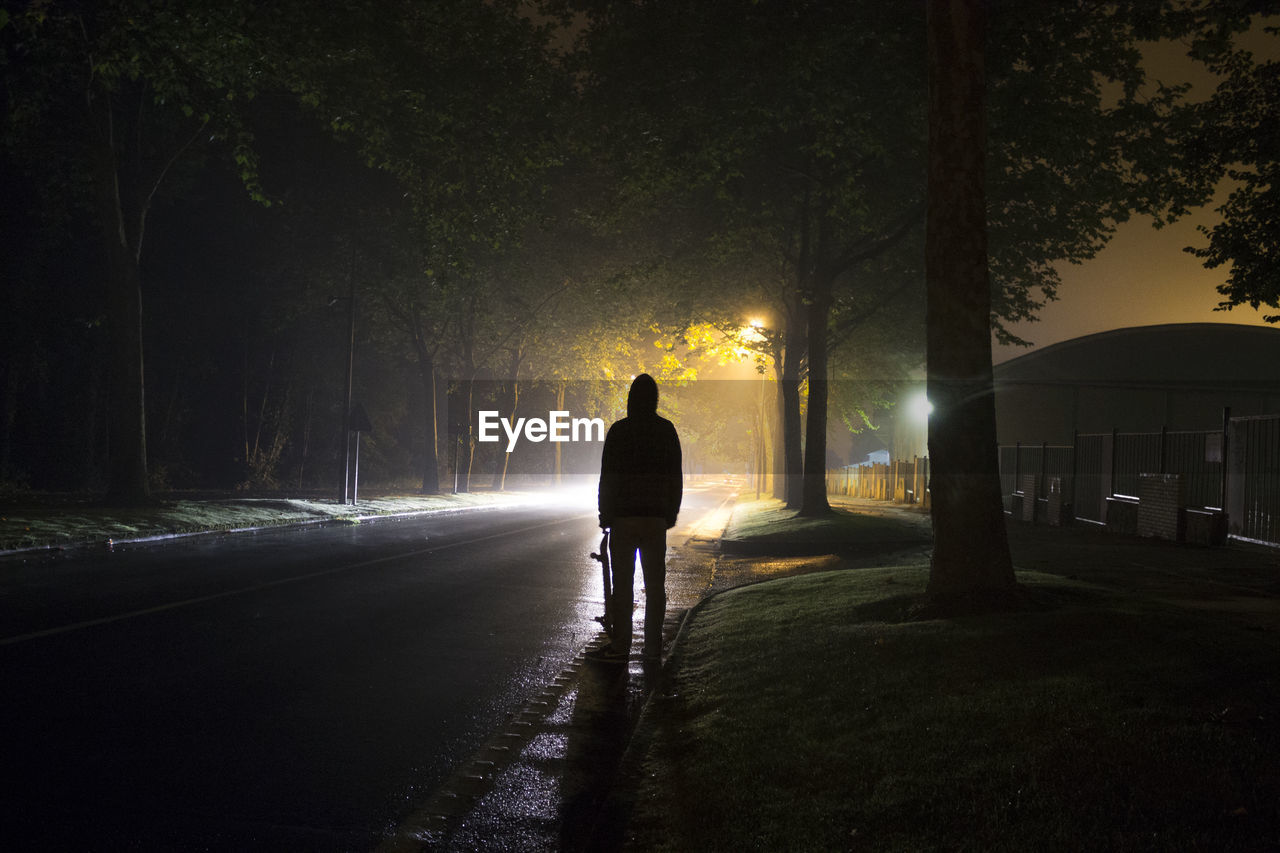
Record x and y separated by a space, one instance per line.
751 334
708 526
920 408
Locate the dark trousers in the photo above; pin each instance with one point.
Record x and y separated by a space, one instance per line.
648 536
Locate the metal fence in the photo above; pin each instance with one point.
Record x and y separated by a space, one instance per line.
1091 458
1044 461
1101 466
1235 470
1253 497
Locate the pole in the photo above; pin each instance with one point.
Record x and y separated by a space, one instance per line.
346 408
1017 466
1044 469
1111 483
1075 467
355 480
1226 432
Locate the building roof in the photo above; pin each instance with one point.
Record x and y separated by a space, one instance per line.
1213 354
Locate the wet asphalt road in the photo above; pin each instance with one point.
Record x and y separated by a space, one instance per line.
299 690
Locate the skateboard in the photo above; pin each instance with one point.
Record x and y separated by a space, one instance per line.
606 621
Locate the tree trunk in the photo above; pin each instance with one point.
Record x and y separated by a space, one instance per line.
778 415
127 473
462 477
814 489
779 437
431 458
559 445
513 402
308 413
971 550
122 217
777 480
789 395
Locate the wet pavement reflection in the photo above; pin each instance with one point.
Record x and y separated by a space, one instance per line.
596 738
542 781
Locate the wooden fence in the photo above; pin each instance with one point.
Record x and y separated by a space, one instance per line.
900 481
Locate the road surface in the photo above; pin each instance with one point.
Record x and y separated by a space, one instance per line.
295 690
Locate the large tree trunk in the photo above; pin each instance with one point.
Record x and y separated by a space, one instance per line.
971 550
789 395
814 489
779 450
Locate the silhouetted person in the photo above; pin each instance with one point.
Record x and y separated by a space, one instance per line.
640 490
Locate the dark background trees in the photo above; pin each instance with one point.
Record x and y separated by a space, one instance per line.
474 174
269 160
105 104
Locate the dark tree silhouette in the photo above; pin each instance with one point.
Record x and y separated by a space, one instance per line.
971 550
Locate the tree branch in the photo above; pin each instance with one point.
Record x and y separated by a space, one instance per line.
863 250
146 204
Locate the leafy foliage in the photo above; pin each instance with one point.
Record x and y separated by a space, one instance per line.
1239 137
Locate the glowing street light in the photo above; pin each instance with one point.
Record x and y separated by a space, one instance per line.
920 408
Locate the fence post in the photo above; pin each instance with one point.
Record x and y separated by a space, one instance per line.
1226 431
1017 464
1164 435
1075 466
1111 484
1044 468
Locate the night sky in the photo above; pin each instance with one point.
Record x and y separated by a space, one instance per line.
1143 277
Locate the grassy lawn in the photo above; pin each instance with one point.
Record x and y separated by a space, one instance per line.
768 522
810 714
75 522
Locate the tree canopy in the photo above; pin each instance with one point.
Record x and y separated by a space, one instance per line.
676 168
1239 137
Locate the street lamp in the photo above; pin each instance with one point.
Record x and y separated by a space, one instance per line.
920 408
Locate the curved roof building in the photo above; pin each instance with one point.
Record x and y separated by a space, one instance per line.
1140 379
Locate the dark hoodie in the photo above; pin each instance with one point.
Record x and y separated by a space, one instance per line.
640 469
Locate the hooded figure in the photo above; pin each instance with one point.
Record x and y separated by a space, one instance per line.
640 468
640 490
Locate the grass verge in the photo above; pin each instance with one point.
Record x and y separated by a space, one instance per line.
767 523
80 522
808 714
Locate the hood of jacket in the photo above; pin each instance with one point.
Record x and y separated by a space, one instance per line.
642 399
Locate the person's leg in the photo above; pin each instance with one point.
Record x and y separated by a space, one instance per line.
623 542
653 562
